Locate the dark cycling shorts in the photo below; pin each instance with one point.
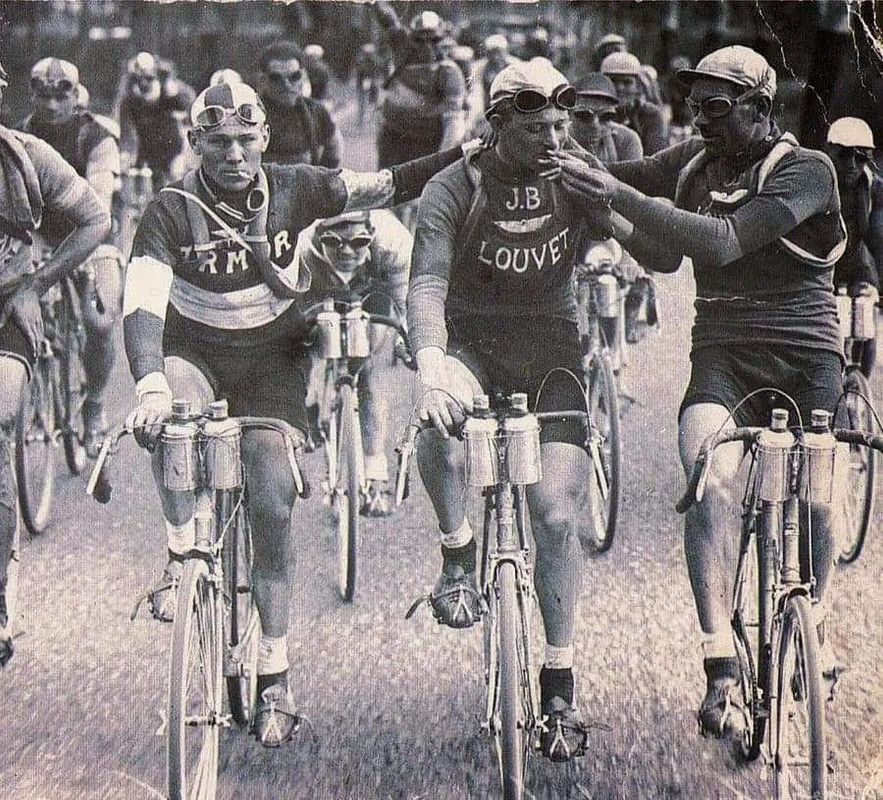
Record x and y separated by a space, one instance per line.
263 380
14 344
515 355
726 374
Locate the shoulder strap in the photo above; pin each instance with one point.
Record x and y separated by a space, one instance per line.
477 204
686 175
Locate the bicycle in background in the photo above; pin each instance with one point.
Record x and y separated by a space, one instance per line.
774 629
858 327
343 341
52 407
502 459
600 291
216 632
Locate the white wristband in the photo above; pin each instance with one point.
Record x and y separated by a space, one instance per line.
153 382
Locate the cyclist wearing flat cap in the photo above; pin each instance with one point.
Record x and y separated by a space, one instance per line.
210 310
760 218
491 308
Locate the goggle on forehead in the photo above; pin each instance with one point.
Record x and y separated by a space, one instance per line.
214 116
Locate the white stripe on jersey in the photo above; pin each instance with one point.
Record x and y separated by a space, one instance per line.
148 283
238 310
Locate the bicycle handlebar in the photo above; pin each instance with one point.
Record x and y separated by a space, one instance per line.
699 477
99 485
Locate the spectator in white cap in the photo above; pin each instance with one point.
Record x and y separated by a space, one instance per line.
759 216
496 59
607 44
850 144
642 116
490 308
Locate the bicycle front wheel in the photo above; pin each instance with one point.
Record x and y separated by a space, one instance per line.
243 623
512 722
72 378
195 687
862 467
605 452
799 751
346 493
35 448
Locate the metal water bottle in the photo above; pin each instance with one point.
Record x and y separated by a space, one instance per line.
522 433
773 455
844 312
179 456
820 446
480 435
608 296
328 327
222 437
358 345
864 315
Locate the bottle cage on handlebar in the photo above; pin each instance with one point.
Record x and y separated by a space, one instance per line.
99 485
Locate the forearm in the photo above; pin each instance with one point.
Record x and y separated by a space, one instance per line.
426 312
709 240
645 249
73 251
145 301
331 152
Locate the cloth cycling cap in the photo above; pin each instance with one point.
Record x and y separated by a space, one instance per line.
349 218
609 39
596 92
538 74
52 71
735 64
427 22
226 95
144 66
621 64
496 41
851 132
314 51
225 75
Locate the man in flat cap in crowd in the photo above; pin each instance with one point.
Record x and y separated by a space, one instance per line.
760 218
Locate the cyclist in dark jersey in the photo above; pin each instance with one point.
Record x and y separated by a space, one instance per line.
91 149
760 218
35 180
491 308
211 310
850 146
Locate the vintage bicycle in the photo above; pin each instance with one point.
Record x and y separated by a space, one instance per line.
216 632
857 326
502 459
13 627
53 403
774 629
343 341
600 291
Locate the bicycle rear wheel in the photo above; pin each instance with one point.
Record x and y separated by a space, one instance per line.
72 377
243 623
799 750
346 492
35 448
195 687
605 451
862 465
509 675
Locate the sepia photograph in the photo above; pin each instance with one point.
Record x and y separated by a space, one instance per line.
441 400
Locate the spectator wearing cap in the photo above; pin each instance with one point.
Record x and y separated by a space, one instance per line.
490 305
643 117
607 44
152 109
422 110
850 145
496 58
759 216
92 150
212 309
363 256
35 181
303 131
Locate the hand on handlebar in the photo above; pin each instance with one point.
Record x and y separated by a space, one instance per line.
443 402
146 420
24 309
